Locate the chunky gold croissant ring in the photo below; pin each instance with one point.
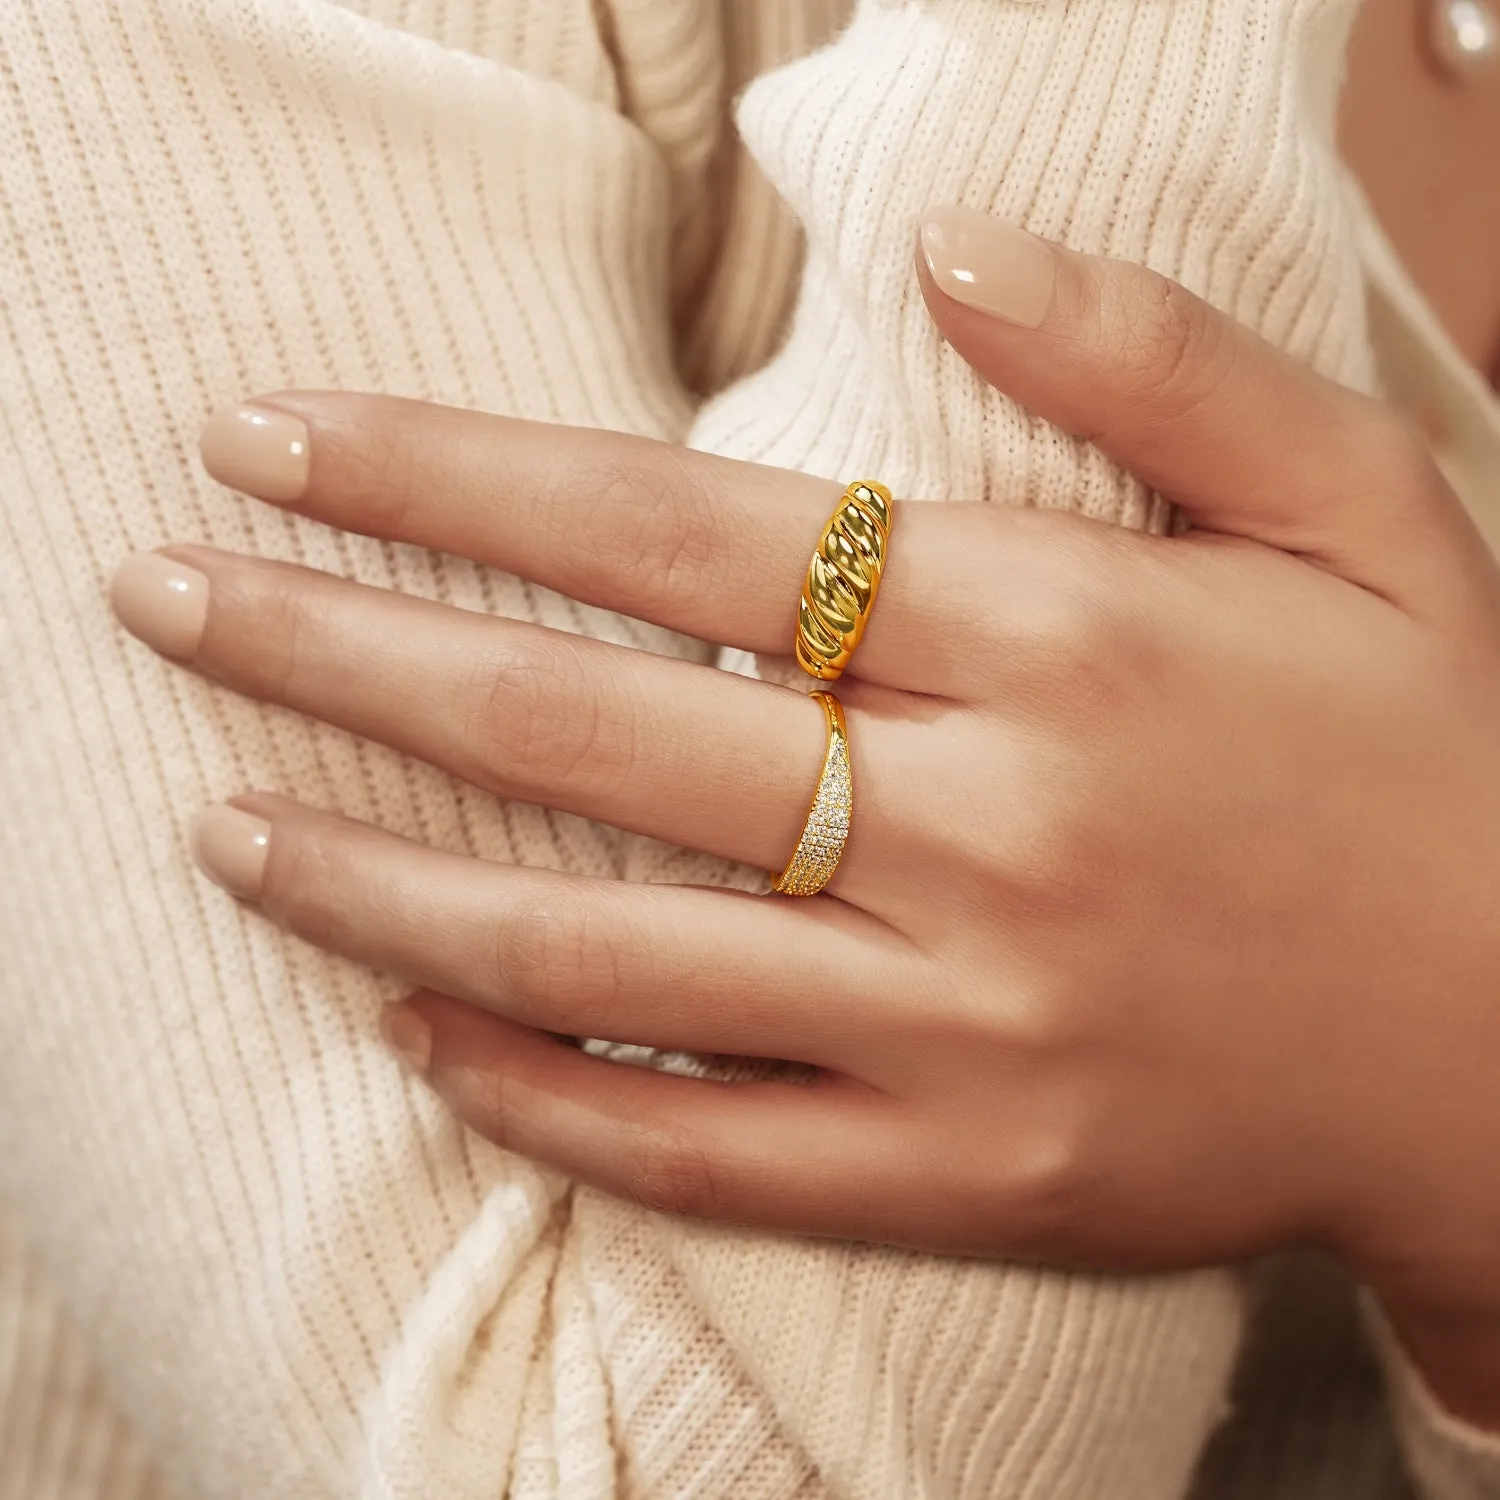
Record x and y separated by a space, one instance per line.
827 828
843 580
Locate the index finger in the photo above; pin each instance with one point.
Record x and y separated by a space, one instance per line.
704 545
1245 438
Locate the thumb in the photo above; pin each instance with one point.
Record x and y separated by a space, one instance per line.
1239 435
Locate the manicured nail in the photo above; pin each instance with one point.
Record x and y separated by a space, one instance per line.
409 1037
262 452
990 265
162 602
230 847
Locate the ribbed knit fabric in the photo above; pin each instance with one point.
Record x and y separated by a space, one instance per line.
60 1437
291 1272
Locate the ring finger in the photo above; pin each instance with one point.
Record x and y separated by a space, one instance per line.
662 747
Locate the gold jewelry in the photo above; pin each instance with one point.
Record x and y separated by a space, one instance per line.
827 828
843 579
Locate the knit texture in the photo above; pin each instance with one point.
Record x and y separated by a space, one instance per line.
289 1271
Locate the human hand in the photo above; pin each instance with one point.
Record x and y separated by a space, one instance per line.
1165 933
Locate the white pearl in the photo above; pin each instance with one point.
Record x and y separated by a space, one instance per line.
1466 36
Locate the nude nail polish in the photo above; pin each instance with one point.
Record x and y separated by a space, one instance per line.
409 1037
257 450
230 846
990 265
162 602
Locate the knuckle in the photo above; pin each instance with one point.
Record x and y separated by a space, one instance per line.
533 949
308 879
669 1172
1053 544
1074 645
387 457
1396 454
1050 862
560 963
1055 1157
1176 350
1073 648
532 717
639 517
482 1098
1027 1032
1048 1177
1068 625
1044 1024
279 629
378 457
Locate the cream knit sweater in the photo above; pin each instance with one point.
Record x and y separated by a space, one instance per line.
256 1263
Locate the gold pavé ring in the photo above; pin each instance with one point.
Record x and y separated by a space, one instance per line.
843 579
826 830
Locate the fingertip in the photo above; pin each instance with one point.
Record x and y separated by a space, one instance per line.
162 602
264 804
231 845
259 450
469 1036
407 1033
988 264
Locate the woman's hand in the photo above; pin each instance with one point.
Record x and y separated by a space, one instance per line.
1167 929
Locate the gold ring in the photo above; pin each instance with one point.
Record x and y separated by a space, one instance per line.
843 579
826 830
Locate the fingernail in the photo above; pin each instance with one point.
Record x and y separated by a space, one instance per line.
409 1037
162 602
230 847
990 265
262 452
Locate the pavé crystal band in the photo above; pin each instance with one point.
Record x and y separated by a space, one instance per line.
827 828
843 579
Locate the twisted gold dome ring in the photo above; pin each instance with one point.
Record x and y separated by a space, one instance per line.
843 580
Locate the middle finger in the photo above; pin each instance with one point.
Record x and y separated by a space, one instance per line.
680 752
706 546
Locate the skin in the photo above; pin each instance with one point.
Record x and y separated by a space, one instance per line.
1424 146
1087 912
1165 933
